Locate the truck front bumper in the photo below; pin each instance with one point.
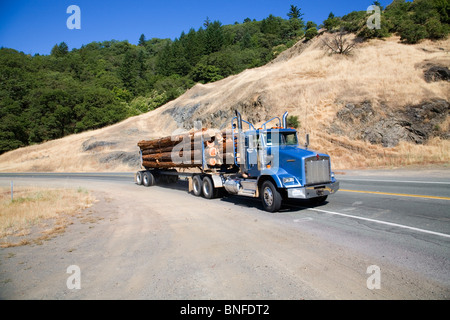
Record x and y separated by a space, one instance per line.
313 191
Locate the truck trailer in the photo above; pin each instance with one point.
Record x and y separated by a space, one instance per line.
266 163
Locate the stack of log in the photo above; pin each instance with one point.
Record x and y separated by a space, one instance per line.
185 151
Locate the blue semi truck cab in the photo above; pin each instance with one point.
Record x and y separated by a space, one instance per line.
267 163
275 167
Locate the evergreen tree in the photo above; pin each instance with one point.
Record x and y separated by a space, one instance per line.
332 22
142 40
310 24
60 50
207 22
294 13
214 37
129 70
296 23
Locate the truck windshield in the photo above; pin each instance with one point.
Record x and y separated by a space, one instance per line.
284 138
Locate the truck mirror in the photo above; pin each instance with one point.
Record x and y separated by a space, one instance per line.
307 141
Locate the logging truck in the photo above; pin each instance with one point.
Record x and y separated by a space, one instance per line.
266 163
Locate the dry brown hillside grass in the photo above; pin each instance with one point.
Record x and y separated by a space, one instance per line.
305 81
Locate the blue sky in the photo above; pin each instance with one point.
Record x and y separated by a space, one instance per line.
35 26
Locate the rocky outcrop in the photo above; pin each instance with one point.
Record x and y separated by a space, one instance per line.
416 123
437 73
131 159
254 110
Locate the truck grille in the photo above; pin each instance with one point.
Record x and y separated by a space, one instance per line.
317 170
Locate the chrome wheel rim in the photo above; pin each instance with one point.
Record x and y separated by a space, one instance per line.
196 186
268 196
206 189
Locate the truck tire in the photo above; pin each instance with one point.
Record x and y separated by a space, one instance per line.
139 177
197 185
209 192
148 179
270 197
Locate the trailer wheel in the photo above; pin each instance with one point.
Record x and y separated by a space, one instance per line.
139 176
209 192
197 185
271 197
148 179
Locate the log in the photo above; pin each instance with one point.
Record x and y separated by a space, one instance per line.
167 156
169 141
158 153
172 141
147 151
168 165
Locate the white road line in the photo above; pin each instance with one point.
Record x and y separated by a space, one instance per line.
400 181
382 222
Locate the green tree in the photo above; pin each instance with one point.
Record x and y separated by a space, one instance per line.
294 13
443 8
129 70
206 73
332 22
311 33
310 24
60 50
142 40
207 22
412 33
378 4
214 37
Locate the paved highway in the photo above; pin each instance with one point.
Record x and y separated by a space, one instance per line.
399 221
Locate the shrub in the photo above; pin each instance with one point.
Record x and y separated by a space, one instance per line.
292 121
412 33
311 33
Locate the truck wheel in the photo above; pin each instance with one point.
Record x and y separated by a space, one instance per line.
209 192
139 178
197 185
271 197
148 179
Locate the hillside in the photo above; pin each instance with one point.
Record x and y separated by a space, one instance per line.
372 108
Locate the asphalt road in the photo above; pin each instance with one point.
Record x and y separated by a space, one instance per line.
398 221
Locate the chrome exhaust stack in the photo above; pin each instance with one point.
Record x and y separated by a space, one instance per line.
241 145
284 120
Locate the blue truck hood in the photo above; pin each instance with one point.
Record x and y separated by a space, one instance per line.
291 162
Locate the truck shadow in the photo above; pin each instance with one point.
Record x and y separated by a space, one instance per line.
290 205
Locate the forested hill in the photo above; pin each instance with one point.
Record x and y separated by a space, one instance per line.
101 83
70 91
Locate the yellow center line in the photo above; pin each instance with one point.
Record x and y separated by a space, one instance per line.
396 194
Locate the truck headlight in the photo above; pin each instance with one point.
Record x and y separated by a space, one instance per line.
288 180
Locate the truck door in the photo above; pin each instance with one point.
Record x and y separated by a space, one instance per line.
251 144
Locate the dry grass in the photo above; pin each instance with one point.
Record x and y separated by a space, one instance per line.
43 209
